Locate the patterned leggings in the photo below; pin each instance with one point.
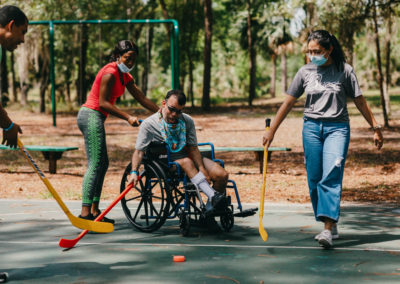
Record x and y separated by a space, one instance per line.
91 124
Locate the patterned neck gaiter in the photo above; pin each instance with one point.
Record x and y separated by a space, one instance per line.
174 134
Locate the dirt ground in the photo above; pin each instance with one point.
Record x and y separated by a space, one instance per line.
370 175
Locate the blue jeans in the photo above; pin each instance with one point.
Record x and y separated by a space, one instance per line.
325 149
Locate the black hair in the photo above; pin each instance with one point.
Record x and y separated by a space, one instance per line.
122 47
326 40
178 94
9 13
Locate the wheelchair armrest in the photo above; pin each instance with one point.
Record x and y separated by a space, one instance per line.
211 146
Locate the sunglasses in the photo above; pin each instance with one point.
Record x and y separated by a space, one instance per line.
173 109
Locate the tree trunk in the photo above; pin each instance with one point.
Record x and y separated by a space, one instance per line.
205 102
190 87
272 89
387 67
165 15
146 70
44 81
82 86
13 81
252 57
3 77
284 70
379 65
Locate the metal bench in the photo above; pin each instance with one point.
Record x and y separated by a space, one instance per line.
258 152
50 153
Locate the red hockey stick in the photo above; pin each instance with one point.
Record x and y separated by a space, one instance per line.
65 243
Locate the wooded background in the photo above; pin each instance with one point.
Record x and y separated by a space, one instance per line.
230 50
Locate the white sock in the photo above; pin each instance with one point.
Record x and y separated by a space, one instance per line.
201 182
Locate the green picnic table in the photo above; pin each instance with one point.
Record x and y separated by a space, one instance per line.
50 153
258 151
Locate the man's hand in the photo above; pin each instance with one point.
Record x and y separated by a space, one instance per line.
133 178
205 173
10 137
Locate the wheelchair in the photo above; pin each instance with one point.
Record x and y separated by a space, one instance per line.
165 192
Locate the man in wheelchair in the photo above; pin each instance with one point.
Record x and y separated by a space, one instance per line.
177 130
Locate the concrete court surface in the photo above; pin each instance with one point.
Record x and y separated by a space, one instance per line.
368 250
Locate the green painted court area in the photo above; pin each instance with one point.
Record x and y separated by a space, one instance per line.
368 250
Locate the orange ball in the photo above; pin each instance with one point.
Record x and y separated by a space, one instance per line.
178 258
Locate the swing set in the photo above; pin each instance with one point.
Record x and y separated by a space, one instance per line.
174 36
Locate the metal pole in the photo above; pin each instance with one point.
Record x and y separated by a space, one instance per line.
52 73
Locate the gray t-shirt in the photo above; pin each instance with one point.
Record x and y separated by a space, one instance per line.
150 131
326 91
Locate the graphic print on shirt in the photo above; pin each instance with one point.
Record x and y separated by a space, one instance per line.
315 85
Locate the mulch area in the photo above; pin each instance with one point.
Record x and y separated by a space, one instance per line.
371 176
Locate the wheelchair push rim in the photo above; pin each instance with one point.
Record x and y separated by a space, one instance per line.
147 205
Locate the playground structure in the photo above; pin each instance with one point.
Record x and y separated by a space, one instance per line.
174 46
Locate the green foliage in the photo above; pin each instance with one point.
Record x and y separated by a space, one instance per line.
278 27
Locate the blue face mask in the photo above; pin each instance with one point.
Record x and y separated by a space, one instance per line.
124 68
317 59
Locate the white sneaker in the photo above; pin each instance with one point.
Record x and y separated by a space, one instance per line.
335 232
325 239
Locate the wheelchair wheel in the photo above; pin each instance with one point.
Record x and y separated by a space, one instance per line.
227 219
147 205
184 222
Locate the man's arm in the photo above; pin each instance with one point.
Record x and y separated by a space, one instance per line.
10 129
136 160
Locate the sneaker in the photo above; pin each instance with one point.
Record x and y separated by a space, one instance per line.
105 219
218 200
335 232
3 277
325 239
87 217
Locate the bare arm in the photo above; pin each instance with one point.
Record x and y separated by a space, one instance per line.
106 85
141 98
136 160
280 116
365 110
10 136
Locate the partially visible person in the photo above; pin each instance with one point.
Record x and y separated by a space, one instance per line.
13 27
177 129
110 83
327 81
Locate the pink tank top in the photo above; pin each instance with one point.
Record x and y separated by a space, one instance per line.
118 89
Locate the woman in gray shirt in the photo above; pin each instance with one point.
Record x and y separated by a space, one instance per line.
327 80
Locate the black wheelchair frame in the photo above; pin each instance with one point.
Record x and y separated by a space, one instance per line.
165 192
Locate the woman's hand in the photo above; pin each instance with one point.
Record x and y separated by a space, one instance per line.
133 120
378 139
268 137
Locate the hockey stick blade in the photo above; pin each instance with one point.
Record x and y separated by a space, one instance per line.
65 243
77 222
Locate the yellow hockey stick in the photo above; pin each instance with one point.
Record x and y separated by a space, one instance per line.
261 230
100 227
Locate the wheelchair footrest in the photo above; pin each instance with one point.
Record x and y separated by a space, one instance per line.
246 213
